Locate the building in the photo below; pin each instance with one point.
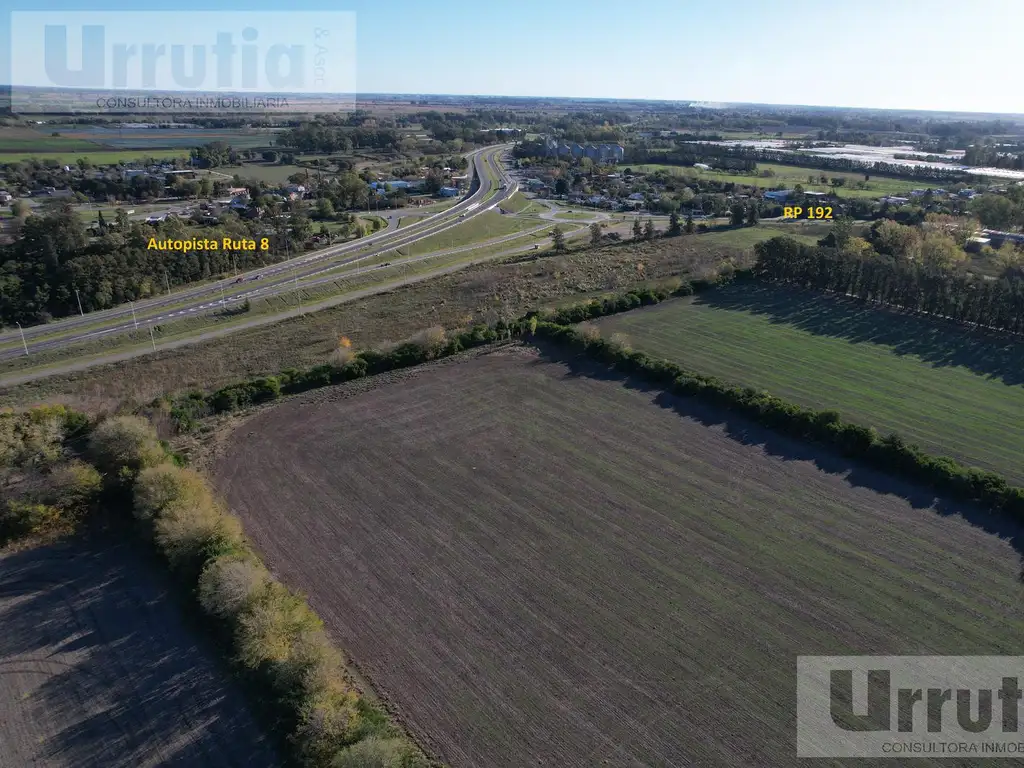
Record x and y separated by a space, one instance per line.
778 195
702 166
5 196
998 238
448 192
967 193
892 200
599 153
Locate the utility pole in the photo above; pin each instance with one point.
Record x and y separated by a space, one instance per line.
151 336
23 344
222 299
134 318
79 303
167 282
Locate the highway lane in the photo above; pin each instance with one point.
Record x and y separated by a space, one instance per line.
274 279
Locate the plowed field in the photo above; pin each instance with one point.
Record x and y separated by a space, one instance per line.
538 565
99 669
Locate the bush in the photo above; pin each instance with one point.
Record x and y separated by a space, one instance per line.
156 488
228 583
375 752
23 518
125 442
187 531
75 486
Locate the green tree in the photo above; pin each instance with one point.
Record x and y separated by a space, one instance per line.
649 230
638 231
753 215
842 230
324 208
994 211
674 227
738 214
940 251
595 234
689 224
558 238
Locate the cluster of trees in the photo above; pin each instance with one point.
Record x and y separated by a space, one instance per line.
44 487
902 283
328 134
54 257
989 155
214 155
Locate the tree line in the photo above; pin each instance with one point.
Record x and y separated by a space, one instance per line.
899 283
55 263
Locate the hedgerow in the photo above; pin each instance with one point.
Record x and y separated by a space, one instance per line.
275 637
888 453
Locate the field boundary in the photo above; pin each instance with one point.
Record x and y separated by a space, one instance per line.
891 453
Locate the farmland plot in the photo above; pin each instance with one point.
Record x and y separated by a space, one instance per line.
953 391
539 566
99 670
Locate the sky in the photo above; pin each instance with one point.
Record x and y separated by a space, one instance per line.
897 54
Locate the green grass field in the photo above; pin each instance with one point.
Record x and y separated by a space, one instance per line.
101 157
951 391
484 226
748 237
520 204
787 175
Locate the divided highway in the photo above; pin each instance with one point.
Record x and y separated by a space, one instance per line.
277 278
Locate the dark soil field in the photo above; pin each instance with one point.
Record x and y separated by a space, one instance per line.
99 670
537 564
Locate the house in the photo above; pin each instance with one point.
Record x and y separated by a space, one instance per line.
967 193
816 195
636 196
892 200
5 196
998 238
702 166
917 192
534 184
778 195
448 192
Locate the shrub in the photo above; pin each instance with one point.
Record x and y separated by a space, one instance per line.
125 442
268 624
374 752
432 340
74 486
228 583
20 518
158 487
186 530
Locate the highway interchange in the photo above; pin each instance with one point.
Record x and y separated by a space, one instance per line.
489 186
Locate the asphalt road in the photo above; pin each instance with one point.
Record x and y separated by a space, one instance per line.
283 277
